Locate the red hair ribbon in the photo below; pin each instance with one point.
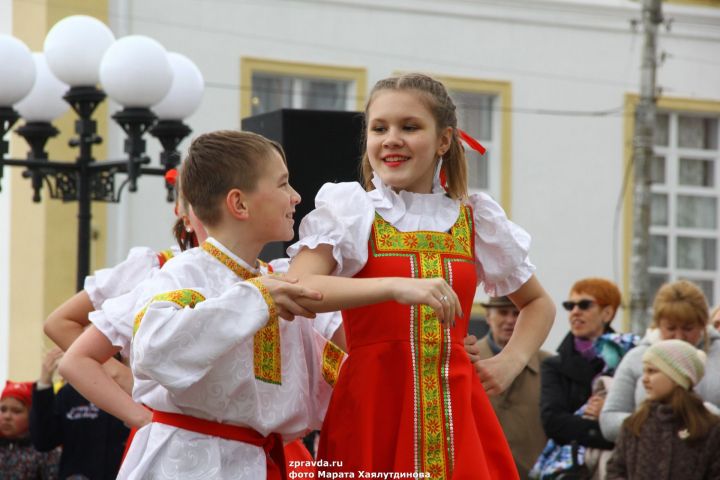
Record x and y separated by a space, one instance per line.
472 143
171 176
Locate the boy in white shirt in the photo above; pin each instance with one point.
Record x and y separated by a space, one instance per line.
225 378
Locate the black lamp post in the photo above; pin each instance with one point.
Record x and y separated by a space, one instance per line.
137 73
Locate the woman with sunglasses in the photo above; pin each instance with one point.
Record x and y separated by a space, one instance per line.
566 379
680 311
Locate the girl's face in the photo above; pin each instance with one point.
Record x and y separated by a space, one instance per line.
13 418
403 142
658 386
688 332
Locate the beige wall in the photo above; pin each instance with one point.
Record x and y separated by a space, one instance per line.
43 236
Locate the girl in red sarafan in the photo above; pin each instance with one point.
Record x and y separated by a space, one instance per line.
408 399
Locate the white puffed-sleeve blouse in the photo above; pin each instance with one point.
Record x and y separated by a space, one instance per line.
344 214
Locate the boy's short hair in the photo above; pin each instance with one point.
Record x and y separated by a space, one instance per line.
219 161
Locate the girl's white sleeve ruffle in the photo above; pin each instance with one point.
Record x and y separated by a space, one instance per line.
501 248
115 319
123 277
342 218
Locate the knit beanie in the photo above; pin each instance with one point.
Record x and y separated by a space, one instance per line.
677 359
21 391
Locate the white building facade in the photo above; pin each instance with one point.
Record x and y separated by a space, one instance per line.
548 86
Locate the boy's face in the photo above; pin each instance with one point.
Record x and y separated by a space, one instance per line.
272 203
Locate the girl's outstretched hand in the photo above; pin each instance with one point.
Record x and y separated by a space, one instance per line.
285 291
434 292
498 372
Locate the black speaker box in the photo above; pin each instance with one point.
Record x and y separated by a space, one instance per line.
321 146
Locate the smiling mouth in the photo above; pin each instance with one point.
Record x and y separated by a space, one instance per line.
395 159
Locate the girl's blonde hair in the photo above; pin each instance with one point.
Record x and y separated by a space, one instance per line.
687 407
435 97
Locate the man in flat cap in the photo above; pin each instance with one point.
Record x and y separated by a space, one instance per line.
518 407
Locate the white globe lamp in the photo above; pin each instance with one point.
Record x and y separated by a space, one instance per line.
74 48
135 72
44 103
186 90
17 70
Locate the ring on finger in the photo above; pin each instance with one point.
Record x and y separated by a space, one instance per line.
444 298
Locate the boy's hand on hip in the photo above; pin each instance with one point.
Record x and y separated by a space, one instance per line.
285 291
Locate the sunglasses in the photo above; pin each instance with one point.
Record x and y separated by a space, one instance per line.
582 305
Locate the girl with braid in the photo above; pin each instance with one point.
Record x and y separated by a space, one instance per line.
408 398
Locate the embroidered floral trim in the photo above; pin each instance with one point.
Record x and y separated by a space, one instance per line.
266 345
458 241
226 260
431 254
267 361
434 447
164 256
332 358
181 298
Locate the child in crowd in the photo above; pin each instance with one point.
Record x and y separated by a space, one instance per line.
672 434
408 399
19 460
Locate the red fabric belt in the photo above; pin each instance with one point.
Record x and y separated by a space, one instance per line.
272 444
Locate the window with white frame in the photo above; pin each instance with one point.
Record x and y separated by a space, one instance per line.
476 116
684 232
272 91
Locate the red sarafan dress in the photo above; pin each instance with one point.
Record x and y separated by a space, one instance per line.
408 399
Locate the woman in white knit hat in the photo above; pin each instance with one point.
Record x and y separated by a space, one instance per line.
672 434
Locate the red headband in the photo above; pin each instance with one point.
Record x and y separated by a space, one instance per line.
21 391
